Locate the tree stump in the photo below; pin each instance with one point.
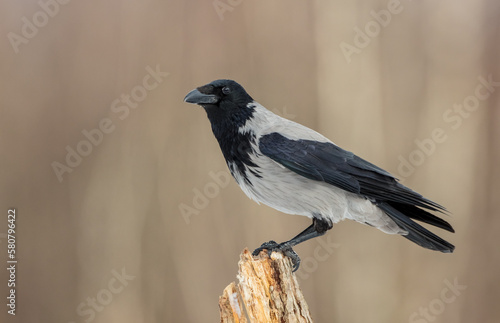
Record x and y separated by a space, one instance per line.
267 291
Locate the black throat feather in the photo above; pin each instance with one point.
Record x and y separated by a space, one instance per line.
236 146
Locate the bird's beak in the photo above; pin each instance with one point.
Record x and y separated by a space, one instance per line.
197 97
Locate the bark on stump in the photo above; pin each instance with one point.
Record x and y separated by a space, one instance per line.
267 291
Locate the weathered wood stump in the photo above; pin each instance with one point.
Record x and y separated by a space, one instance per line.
267 291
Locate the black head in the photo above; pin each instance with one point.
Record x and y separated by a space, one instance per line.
228 108
223 100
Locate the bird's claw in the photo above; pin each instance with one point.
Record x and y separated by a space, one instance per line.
269 246
284 247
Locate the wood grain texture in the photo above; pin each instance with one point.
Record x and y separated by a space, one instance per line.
267 288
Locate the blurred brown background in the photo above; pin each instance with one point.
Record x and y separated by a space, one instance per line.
107 240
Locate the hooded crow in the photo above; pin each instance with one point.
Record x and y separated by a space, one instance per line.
296 170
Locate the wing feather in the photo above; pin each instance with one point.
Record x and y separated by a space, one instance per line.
324 161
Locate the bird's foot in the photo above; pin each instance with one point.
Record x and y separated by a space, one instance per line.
284 247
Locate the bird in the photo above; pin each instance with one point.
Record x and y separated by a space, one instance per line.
296 170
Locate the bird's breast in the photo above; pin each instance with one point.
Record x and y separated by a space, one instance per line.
274 185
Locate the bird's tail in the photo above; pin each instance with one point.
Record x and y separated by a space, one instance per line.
402 214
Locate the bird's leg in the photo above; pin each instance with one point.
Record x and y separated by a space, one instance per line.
316 229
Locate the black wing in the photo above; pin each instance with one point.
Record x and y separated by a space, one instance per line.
324 161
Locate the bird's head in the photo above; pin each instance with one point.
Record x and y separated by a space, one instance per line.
222 100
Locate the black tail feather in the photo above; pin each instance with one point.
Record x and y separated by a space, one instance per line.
419 214
416 232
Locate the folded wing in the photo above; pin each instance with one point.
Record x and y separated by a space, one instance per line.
324 161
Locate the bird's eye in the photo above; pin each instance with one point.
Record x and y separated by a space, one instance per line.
226 90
